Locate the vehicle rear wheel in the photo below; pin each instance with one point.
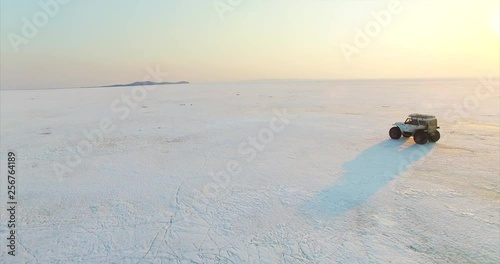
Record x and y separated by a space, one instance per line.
395 133
434 136
420 137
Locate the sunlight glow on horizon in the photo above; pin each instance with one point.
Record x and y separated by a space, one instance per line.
496 23
84 44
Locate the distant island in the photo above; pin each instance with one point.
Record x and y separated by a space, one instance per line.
144 83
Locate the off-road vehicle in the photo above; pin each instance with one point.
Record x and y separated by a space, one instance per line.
423 128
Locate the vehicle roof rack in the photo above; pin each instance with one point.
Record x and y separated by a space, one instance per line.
421 116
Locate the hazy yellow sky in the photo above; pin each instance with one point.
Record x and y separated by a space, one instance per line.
85 43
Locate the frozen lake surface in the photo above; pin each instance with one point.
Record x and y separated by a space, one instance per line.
264 172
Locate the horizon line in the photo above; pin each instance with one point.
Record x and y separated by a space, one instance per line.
266 80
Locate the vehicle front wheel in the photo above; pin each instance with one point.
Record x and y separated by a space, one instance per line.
395 133
420 137
434 136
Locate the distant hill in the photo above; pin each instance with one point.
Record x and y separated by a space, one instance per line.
144 83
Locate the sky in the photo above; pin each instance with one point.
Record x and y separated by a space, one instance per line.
75 43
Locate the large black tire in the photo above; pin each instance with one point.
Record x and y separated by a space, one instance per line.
395 133
420 137
434 136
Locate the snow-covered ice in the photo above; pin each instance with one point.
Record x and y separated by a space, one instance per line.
257 172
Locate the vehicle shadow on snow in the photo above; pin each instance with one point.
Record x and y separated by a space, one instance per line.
368 173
